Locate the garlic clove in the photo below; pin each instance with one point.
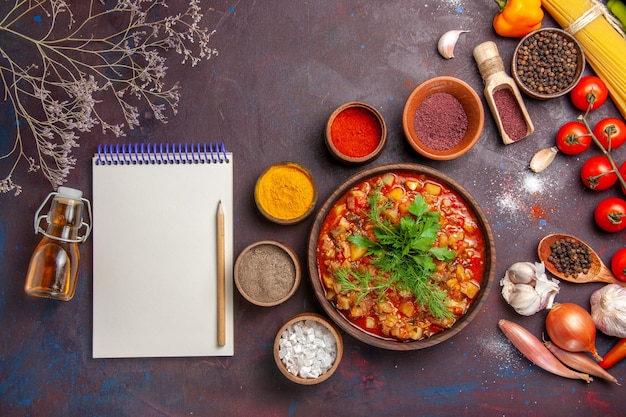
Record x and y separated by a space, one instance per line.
546 288
543 158
521 273
524 299
547 291
540 270
448 41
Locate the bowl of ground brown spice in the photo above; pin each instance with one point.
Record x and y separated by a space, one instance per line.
547 63
443 118
267 273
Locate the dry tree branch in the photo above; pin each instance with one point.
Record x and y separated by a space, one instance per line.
77 66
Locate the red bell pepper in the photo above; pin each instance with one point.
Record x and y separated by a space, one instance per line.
616 354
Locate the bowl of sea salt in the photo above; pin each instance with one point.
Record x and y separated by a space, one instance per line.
308 349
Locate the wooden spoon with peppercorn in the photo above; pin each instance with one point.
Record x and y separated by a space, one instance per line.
593 271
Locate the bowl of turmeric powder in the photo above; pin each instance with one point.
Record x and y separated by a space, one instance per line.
285 193
356 133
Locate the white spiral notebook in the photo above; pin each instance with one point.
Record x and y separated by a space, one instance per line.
155 249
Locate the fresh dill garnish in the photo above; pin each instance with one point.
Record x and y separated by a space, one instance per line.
403 253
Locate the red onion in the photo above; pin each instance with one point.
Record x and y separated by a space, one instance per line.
571 328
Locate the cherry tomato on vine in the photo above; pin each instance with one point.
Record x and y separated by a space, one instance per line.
618 264
590 93
610 214
573 138
611 130
597 173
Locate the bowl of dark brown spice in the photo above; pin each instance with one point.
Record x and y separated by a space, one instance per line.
267 273
547 63
443 118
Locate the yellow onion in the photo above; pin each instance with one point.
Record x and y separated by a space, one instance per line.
571 328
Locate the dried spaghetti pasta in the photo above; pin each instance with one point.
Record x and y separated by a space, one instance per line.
602 41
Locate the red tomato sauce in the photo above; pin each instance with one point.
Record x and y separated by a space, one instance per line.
395 314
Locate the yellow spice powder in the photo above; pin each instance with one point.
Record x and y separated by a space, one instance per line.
285 191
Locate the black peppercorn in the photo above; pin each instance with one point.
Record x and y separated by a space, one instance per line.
570 257
546 62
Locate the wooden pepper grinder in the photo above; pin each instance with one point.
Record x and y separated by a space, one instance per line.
502 95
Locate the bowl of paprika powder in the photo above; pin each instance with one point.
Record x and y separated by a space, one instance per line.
356 133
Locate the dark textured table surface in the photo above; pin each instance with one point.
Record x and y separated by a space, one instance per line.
282 68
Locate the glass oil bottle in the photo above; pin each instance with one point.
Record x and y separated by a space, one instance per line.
53 268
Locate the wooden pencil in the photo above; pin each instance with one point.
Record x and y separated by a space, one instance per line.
221 278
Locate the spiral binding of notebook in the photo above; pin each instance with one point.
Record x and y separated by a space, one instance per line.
150 154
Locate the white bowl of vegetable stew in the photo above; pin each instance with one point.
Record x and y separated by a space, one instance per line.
401 257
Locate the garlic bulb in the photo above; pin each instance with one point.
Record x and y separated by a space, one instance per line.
448 41
527 289
608 310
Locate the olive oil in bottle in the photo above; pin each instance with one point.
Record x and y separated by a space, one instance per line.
53 267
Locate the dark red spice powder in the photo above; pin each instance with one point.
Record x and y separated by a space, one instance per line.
355 132
440 121
511 115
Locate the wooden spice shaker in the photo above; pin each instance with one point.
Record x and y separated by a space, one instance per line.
492 70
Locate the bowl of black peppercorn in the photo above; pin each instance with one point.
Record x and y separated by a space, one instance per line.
547 63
